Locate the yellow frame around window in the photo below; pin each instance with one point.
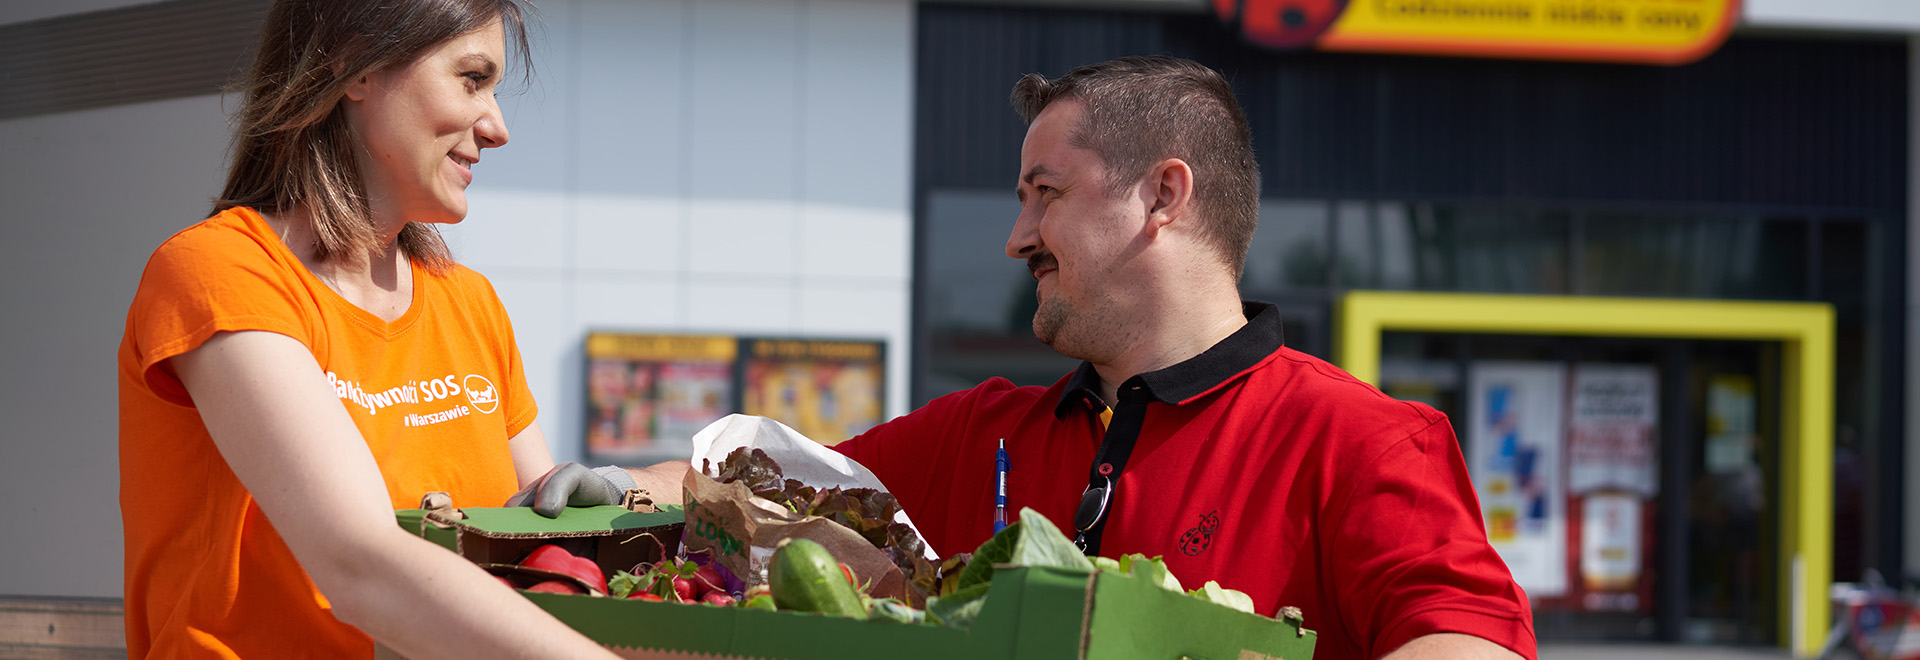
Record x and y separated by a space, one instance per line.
1805 331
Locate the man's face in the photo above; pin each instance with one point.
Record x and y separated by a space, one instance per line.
1074 236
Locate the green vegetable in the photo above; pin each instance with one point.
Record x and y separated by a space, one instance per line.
890 609
1219 595
805 578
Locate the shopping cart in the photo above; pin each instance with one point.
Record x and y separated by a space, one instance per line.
1872 621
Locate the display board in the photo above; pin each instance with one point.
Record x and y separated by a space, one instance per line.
647 394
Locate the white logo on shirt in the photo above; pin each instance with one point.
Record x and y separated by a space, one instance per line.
481 394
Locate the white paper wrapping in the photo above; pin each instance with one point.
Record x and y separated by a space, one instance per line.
799 457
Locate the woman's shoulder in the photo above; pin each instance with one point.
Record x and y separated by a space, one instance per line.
232 239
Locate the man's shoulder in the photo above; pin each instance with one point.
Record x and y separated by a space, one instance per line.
998 393
1311 386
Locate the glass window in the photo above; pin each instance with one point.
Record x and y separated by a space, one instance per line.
1289 249
1651 254
979 303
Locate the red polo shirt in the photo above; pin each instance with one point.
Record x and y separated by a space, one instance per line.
1255 465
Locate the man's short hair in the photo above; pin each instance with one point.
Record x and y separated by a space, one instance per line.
1142 110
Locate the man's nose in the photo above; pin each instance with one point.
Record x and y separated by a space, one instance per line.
1025 239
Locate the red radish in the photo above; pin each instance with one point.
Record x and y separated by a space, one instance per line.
557 587
685 589
849 573
642 595
549 558
503 580
707 579
717 598
556 559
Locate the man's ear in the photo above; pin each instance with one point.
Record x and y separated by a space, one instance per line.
1169 192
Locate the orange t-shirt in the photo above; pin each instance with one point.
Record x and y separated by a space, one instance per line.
436 394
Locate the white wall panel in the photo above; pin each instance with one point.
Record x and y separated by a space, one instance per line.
634 302
858 132
511 227
855 241
740 305
632 78
744 95
629 234
85 198
742 237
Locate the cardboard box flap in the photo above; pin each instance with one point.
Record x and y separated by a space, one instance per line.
522 522
1131 618
613 537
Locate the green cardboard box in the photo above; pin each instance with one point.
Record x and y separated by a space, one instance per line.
1030 613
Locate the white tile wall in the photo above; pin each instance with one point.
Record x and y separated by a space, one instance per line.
744 305
727 166
742 237
512 228
629 234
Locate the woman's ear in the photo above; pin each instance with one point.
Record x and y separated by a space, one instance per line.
359 88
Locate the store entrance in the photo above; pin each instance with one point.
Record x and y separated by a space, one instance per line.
1630 483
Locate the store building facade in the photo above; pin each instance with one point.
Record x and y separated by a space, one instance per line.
1665 493
840 169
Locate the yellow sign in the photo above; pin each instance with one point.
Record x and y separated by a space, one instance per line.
1632 31
661 347
1629 31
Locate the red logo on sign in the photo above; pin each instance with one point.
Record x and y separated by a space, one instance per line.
1285 24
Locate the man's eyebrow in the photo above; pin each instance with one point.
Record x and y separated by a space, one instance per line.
1037 171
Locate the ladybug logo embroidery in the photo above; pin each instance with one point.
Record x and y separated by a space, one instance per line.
1196 540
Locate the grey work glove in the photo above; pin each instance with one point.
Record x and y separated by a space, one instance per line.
572 484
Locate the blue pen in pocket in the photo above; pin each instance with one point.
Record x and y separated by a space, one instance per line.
1000 467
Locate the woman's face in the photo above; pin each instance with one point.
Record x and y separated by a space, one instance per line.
421 126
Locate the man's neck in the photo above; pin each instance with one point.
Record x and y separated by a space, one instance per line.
1174 334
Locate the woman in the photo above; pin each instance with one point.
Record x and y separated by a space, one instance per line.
310 358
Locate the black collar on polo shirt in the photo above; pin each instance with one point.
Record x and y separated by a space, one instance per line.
1195 376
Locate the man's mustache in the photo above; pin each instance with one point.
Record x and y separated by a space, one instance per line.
1039 261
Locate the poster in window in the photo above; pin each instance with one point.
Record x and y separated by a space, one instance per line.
827 390
1611 444
648 394
1514 441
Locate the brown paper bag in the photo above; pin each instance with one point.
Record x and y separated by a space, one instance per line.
740 532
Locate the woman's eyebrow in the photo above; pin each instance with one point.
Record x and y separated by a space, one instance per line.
480 61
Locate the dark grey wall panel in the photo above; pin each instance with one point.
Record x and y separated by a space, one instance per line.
1765 121
128 55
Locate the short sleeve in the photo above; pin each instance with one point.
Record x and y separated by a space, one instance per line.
520 406
209 279
1410 554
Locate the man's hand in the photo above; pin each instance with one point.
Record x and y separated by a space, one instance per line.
572 484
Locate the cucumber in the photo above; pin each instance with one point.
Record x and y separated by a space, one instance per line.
805 578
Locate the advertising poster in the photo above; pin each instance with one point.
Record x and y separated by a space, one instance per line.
1611 444
827 390
1514 444
648 394
1612 477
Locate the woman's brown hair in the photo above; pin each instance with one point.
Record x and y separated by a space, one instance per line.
292 146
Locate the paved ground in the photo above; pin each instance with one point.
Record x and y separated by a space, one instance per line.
1652 651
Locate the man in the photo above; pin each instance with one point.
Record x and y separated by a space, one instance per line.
1190 432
